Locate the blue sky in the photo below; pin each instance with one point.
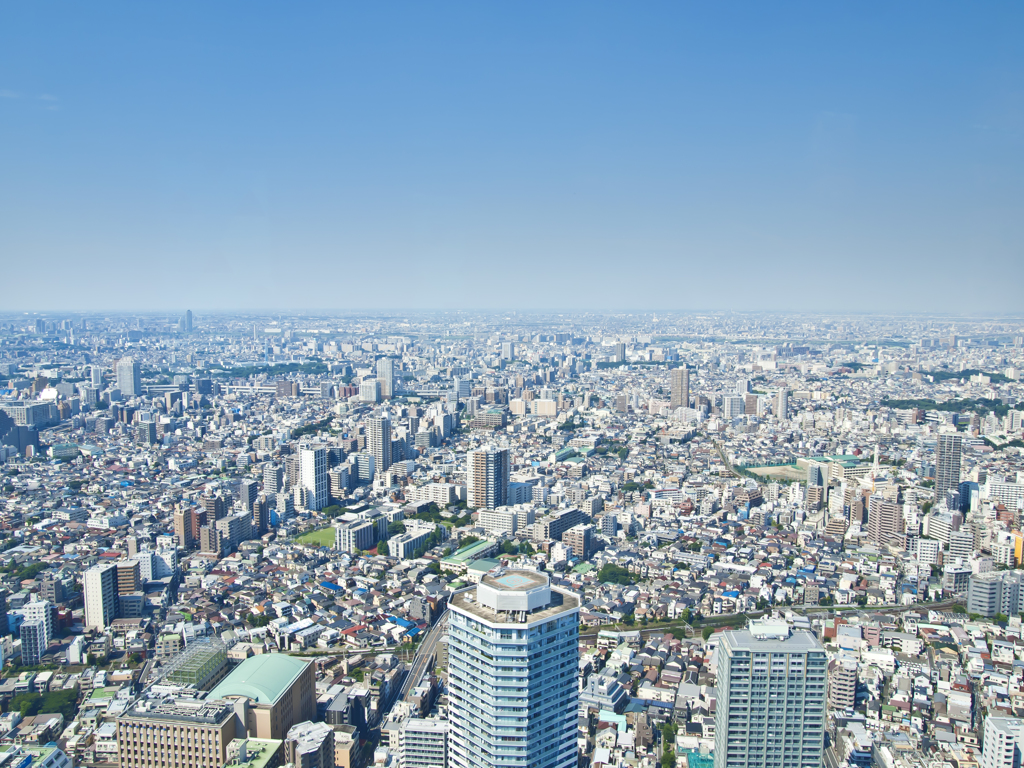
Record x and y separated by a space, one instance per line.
785 156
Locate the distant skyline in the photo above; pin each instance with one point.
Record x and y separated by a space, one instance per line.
801 157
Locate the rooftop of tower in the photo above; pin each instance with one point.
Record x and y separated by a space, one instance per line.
514 597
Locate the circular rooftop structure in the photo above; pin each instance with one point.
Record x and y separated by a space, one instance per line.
514 591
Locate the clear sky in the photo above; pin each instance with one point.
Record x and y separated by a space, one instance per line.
718 155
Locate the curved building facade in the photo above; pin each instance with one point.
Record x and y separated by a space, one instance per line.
513 650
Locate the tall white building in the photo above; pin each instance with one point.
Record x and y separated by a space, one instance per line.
378 440
948 450
386 377
732 406
771 698
313 477
129 377
513 659
41 610
1002 745
100 586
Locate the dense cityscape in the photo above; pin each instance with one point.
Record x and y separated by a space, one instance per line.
422 540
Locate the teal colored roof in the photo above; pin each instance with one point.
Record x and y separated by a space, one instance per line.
263 678
483 564
470 552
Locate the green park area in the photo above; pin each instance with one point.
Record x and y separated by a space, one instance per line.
322 537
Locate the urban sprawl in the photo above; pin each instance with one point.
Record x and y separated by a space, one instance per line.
527 540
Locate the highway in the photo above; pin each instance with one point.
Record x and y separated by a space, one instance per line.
423 662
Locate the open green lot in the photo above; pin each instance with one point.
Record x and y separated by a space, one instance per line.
323 537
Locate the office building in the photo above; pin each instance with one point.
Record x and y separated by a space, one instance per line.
680 379
487 475
186 523
513 660
261 515
129 377
33 642
995 592
279 691
309 745
100 588
209 540
771 698
233 530
215 507
188 320
553 526
781 406
580 540
423 743
313 477
733 406
129 577
44 611
361 534
948 449
1002 745
273 478
369 391
176 732
52 589
96 377
247 492
619 353
885 522
386 377
378 441
508 350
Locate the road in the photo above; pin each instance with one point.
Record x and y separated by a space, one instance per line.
424 659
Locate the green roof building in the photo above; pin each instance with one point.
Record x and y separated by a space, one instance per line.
280 689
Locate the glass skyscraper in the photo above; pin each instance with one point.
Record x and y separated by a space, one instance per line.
771 698
513 650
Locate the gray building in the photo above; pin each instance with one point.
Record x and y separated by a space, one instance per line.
995 592
33 642
948 449
771 698
129 377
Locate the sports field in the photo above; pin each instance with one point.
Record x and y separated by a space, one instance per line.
324 537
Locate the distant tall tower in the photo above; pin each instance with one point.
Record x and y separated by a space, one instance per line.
313 477
948 449
782 404
487 475
188 320
513 655
96 375
100 587
386 377
680 387
771 698
378 440
129 377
